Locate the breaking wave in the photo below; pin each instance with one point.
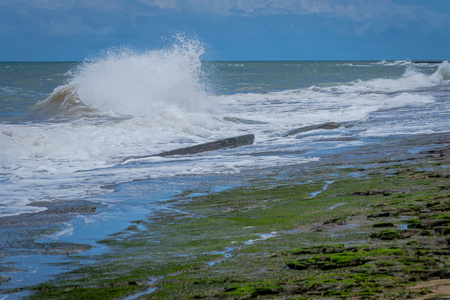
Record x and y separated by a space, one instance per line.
63 102
411 79
126 82
129 103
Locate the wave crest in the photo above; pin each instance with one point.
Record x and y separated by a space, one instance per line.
63 102
443 72
411 79
125 82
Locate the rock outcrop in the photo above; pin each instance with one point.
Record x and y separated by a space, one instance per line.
233 142
328 125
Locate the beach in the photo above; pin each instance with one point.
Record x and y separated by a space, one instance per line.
235 252
97 200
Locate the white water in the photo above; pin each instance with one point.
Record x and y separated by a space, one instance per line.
131 104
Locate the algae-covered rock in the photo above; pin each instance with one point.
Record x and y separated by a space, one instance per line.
335 220
302 264
313 261
4 279
415 224
251 290
379 215
335 248
383 224
387 235
331 261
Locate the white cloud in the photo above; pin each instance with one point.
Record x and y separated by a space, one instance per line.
74 27
161 3
224 7
355 16
366 15
100 31
44 4
355 10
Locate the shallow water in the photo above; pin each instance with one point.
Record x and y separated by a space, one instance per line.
69 143
65 128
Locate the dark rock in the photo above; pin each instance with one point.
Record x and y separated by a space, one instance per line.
441 230
387 235
333 249
431 204
425 233
411 232
303 251
4 279
266 291
441 252
445 274
415 224
330 265
233 142
383 224
431 223
371 193
335 220
294 289
125 283
328 125
302 264
328 287
62 248
379 215
317 229
432 274
427 61
69 207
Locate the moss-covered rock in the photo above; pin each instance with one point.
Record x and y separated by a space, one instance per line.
262 240
387 235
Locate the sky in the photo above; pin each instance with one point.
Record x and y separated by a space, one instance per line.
75 30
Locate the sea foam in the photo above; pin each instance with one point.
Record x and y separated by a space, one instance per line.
129 103
145 84
126 82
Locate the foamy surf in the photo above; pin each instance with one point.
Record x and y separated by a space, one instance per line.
131 104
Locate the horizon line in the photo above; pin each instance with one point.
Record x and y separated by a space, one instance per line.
256 60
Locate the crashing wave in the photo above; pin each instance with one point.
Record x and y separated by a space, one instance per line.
62 103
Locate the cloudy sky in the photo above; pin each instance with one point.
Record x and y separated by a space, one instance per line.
52 30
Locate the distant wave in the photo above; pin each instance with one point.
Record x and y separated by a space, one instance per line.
411 79
393 63
407 63
138 104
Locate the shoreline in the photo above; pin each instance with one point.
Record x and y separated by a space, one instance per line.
18 230
396 150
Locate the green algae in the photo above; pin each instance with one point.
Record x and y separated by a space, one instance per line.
280 241
345 258
383 224
387 235
252 289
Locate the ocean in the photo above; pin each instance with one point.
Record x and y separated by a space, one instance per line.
67 127
92 130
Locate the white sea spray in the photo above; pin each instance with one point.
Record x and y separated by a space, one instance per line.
130 103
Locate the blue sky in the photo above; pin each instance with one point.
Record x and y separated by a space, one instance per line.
55 30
